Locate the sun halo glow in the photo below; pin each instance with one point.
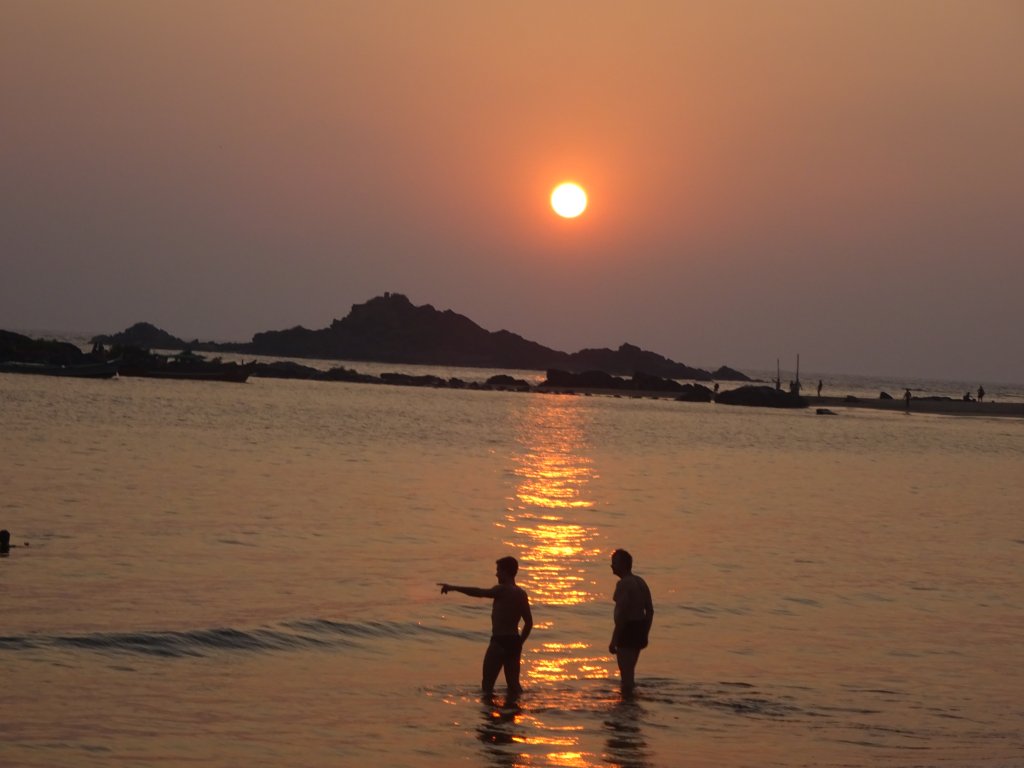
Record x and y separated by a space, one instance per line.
568 200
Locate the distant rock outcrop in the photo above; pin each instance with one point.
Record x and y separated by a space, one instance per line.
725 373
628 358
760 396
391 329
504 381
143 336
586 380
641 382
21 349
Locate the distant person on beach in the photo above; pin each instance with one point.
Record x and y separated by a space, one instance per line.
634 614
906 398
819 387
511 603
981 394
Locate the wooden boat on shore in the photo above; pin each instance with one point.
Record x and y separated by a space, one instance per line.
103 370
229 372
186 365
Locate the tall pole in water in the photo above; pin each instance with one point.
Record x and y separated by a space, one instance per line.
778 374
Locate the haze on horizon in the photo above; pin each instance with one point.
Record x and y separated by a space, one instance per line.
839 180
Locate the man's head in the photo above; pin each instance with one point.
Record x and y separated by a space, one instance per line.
622 562
508 567
5 540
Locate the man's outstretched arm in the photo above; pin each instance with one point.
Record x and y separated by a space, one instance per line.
471 591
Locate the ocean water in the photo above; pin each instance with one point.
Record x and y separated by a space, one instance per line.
223 575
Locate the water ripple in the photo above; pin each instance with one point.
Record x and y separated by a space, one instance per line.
290 636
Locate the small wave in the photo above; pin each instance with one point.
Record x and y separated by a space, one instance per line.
291 636
192 643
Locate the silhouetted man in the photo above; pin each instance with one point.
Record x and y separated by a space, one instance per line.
511 603
634 614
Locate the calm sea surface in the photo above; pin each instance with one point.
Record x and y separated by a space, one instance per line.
225 575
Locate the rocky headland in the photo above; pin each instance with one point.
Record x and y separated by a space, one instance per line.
391 329
15 346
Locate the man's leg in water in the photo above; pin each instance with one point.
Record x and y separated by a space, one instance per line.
493 659
627 658
512 665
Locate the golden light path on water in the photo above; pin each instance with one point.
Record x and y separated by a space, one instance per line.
548 516
547 523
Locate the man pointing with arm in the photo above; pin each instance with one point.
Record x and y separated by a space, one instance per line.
511 603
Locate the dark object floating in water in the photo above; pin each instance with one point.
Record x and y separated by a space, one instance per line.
763 397
826 412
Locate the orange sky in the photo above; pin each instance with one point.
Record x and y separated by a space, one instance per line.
842 180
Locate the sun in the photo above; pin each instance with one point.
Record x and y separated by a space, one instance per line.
568 200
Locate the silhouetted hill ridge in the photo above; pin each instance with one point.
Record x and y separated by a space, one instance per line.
391 329
144 335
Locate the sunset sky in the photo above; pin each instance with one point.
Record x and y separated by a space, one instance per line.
843 180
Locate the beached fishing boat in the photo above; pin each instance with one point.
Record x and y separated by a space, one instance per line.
226 372
185 365
103 370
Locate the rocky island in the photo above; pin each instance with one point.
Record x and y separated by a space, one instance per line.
391 329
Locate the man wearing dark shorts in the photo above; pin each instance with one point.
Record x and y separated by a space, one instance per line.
511 603
634 614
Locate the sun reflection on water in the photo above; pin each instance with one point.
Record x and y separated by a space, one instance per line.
557 662
535 732
516 738
547 521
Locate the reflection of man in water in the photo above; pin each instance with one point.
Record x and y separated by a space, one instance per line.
511 603
634 614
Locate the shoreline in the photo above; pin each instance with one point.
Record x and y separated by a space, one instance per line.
938 407
927 405
923 405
